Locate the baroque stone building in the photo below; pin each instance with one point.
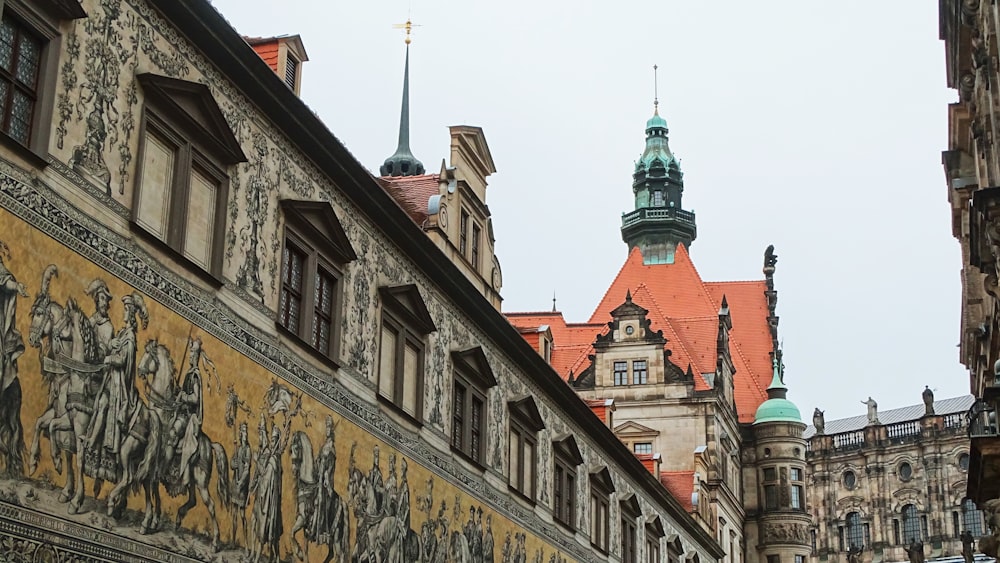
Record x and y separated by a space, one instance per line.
693 372
969 29
880 485
210 313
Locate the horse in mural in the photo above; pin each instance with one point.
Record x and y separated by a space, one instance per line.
336 528
45 315
379 537
156 368
78 357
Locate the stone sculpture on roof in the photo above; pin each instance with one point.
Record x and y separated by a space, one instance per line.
872 410
928 396
819 422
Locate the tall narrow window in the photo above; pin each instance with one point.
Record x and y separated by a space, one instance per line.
291 71
20 58
798 497
972 518
566 458
601 487
654 534
314 252
621 373
770 488
639 373
895 531
525 423
911 525
463 235
293 266
630 512
855 531
405 325
473 379
657 198
475 245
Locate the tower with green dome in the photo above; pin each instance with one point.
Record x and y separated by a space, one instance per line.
780 511
658 223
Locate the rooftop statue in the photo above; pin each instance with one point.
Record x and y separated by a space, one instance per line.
872 410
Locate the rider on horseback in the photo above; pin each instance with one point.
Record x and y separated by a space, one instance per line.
188 418
119 398
105 331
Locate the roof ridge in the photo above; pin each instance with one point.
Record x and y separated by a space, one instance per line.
734 282
687 256
533 313
635 251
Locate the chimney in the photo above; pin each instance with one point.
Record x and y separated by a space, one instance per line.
284 54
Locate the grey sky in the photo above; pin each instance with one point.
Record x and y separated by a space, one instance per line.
813 126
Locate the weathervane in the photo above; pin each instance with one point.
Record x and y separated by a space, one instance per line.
408 26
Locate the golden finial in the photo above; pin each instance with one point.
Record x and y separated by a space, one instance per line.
408 26
656 92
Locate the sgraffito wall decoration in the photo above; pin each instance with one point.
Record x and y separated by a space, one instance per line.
141 418
120 415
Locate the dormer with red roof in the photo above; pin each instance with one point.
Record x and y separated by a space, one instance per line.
284 54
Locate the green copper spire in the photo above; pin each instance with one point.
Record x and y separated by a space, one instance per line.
777 408
402 162
659 223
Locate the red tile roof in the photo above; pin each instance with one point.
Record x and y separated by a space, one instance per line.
412 193
649 461
681 486
601 408
687 310
267 49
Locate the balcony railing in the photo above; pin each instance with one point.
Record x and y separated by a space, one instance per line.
902 430
849 440
983 420
954 420
656 213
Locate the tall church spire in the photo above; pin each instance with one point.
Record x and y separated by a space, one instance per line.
402 162
658 223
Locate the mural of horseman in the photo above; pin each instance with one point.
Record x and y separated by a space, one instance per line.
381 535
51 335
11 347
151 439
321 513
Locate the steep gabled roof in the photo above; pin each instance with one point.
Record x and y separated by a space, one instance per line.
681 486
686 309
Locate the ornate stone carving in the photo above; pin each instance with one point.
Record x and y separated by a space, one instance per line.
785 533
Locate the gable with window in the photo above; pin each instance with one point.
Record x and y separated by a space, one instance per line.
566 457
630 513
315 252
29 51
525 423
473 379
185 152
402 341
601 488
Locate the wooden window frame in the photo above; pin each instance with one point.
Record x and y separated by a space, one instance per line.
473 380
630 513
565 460
601 488
477 236
654 537
463 235
41 19
314 230
316 261
526 423
186 116
404 313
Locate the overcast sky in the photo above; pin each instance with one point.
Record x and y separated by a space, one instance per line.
813 126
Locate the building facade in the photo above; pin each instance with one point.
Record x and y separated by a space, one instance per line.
972 167
688 364
206 302
881 482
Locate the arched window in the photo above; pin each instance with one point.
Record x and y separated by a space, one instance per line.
855 531
972 518
911 525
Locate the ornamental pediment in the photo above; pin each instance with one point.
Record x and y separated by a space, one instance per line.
635 429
